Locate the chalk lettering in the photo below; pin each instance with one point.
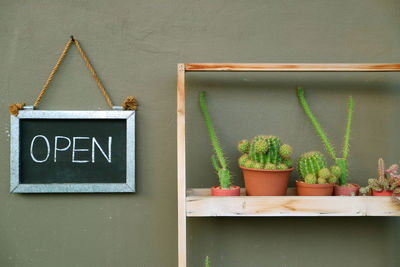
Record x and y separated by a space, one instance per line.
48 148
95 143
56 148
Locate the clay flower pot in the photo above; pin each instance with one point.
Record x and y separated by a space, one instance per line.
218 191
347 190
304 189
266 182
382 193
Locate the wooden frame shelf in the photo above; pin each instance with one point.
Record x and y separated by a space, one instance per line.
198 202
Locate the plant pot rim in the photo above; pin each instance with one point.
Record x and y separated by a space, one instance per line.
303 184
262 170
354 185
233 187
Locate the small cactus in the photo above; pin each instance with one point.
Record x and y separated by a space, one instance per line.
207 264
285 151
313 168
335 170
266 150
332 179
244 146
387 179
218 161
310 179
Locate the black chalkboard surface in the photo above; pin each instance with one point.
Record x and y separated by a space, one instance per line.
63 153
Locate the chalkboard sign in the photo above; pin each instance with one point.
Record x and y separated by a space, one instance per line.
72 151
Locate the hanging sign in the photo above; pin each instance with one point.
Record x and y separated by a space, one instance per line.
73 151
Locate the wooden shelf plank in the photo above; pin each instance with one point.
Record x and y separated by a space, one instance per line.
199 203
294 67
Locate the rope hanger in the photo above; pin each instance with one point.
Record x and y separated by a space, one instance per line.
130 102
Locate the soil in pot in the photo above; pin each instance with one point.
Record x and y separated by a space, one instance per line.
266 182
218 191
382 193
346 190
304 189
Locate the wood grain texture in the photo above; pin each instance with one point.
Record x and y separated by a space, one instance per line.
293 67
199 203
181 165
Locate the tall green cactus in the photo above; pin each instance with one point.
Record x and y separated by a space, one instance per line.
313 168
207 264
340 162
265 152
220 164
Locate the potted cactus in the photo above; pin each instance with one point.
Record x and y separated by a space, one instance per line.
387 183
266 165
225 188
317 179
343 188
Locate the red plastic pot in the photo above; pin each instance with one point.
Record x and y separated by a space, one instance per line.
266 182
346 190
382 193
218 191
304 189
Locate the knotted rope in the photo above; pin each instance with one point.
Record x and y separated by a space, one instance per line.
130 102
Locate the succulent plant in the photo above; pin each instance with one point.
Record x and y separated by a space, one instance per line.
340 162
265 152
313 169
388 180
218 161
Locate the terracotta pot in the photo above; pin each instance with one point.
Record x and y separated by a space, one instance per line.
347 190
266 182
382 193
218 191
304 189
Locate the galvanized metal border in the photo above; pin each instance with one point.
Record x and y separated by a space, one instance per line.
17 187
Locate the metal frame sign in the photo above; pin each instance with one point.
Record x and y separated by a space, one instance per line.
72 151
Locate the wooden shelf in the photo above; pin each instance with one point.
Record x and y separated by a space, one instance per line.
200 203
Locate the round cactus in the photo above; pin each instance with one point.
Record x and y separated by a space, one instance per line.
310 179
281 166
288 162
322 180
335 170
258 165
324 173
261 146
311 163
248 164
285 151
243 159
332 179
244 146
270 166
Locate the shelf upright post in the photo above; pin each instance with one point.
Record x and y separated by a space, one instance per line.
181 147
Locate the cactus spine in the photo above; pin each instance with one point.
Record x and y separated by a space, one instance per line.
340 162
218 161
265 152
313 168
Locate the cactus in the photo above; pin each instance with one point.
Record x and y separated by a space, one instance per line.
265 152
220 164
387 179
313 169
340 162
207 264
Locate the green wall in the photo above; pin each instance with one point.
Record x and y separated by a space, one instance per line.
134 46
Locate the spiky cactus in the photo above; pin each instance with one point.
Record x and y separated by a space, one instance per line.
265 152
207 262
313 169
218 161
340 162
387 179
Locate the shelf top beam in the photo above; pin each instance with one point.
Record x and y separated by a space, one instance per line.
289 67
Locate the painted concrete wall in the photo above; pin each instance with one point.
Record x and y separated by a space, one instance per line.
134 46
